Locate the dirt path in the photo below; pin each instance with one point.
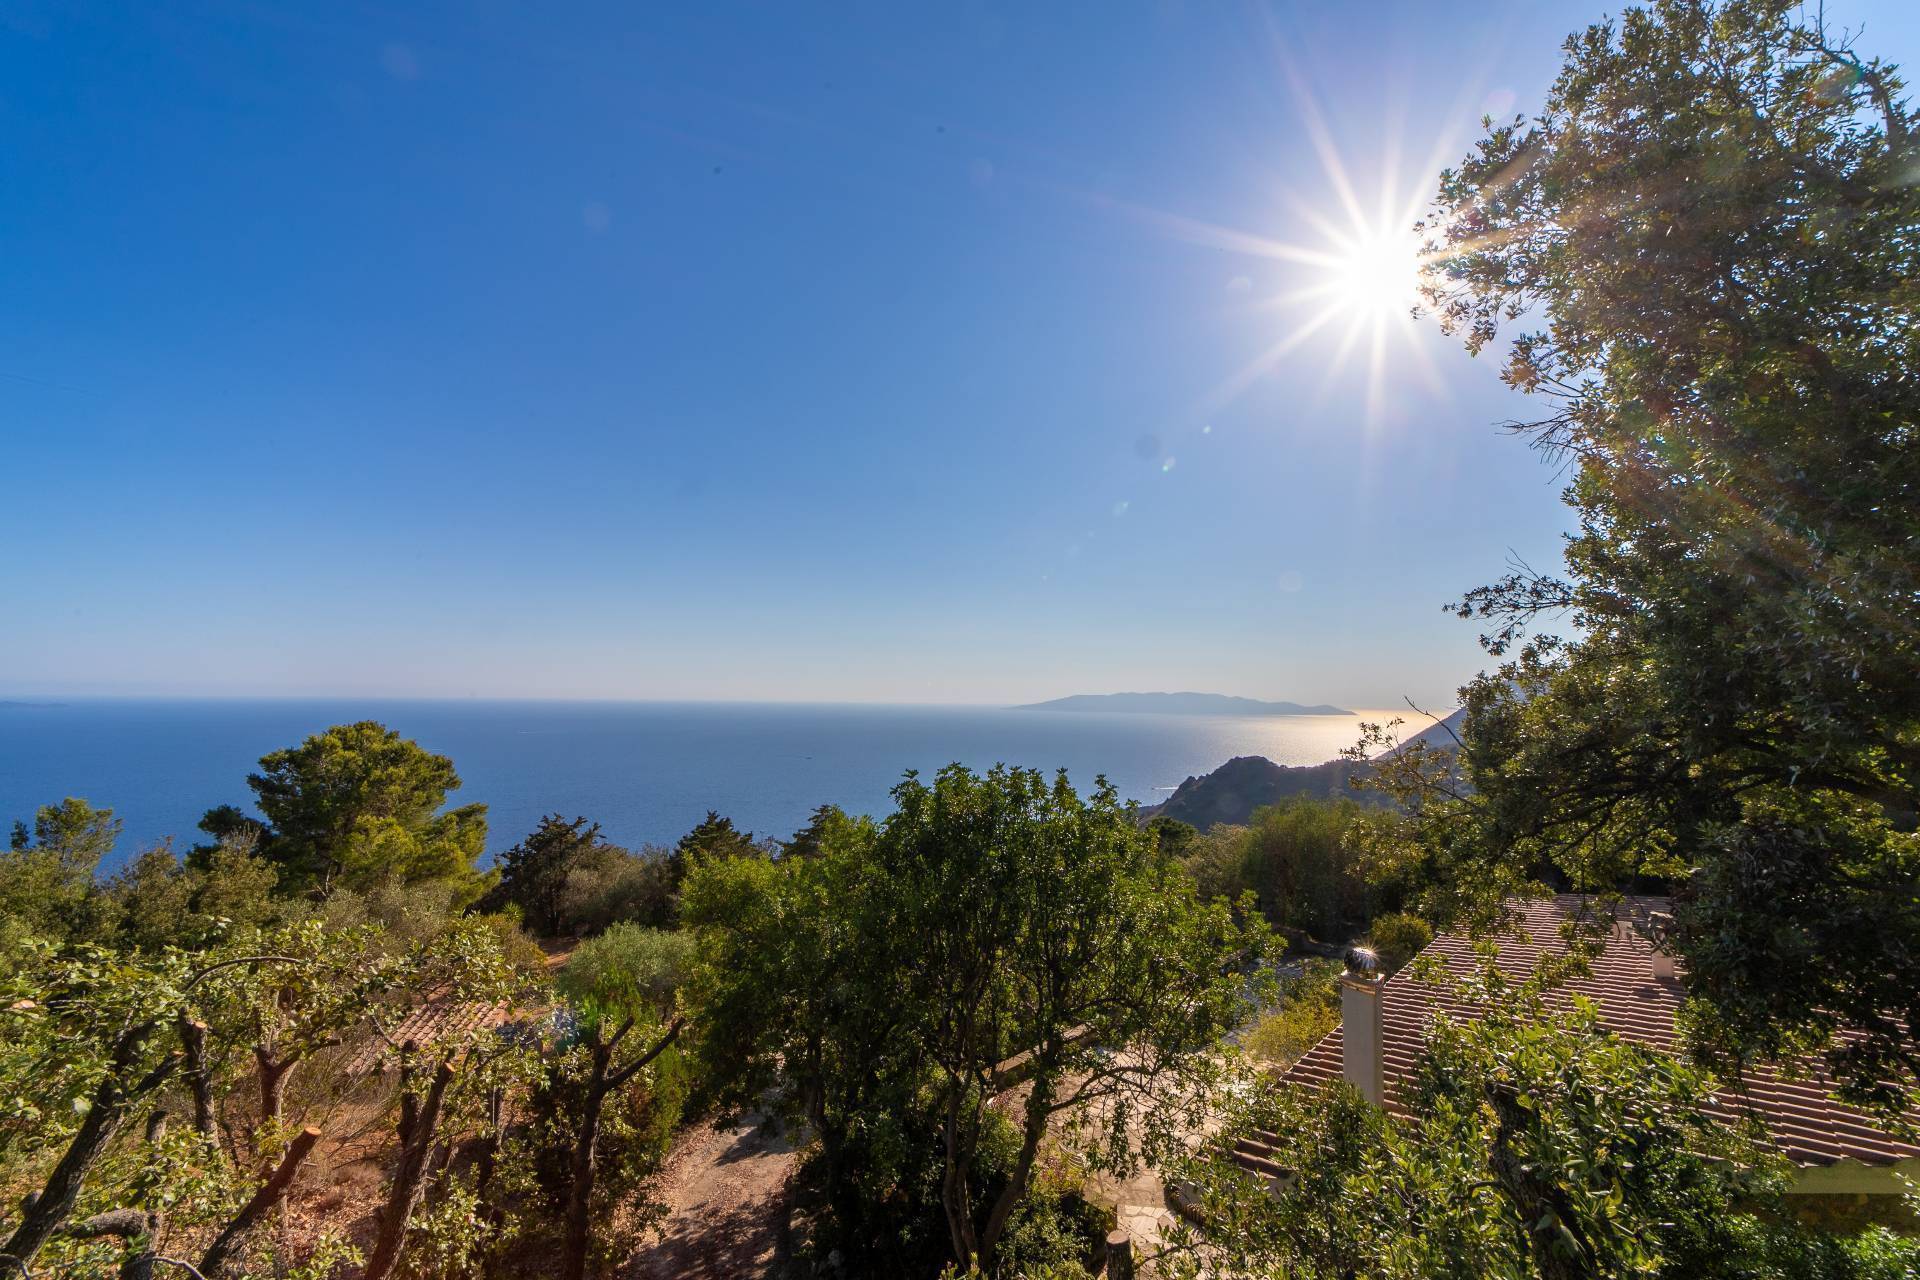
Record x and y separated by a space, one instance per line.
725 1191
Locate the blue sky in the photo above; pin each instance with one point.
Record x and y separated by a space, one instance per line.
850 352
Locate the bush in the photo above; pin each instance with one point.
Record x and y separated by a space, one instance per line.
1309 1008
1217 861
610 884
627 967
1303 859
1398 937
1052 1239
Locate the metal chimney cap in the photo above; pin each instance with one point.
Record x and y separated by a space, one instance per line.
1363 961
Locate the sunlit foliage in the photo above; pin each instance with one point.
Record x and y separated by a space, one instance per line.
1707 244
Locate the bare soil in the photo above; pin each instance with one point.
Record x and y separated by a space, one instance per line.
725 1188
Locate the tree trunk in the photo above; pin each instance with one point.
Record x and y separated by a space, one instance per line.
1547 1223
409 1176
128 1225
1039 1110
580 1171
603 1080
271 1193
955 1196
273 1082
112 1100
492 1212
193 1042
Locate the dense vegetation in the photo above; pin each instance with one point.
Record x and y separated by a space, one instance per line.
944 1001
965 1007
1710 237
894 985
1713 226
302 982
1536 1145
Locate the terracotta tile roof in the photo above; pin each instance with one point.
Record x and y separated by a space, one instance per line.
435 1022
1804 1119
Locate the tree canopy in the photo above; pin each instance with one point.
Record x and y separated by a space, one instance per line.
1709 239
1533 1144
358 804
995 931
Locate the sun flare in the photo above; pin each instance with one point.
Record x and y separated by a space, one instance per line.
1375 274
1348 264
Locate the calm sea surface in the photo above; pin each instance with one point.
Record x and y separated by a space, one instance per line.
646 771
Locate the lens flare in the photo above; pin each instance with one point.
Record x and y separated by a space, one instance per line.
1375 274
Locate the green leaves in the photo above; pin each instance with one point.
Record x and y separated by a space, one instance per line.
628 972
358 804
1708 232
1533 1144
994 928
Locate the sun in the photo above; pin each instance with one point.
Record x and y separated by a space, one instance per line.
1349 278
1374 274
1345 262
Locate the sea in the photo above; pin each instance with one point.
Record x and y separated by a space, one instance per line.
646 771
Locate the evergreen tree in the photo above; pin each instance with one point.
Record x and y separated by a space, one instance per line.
1711 234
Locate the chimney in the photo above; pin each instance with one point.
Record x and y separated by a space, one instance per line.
1360 1032
1660 934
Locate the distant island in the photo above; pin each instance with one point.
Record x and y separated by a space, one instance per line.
1181 704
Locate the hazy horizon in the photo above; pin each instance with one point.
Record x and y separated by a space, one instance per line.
56 696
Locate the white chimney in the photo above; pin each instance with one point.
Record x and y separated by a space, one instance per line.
1360 1030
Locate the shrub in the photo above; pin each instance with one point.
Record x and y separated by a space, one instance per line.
1303 859
1309 1008
610 884
1399 937
1052 1238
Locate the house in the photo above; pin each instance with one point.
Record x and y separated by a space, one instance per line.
1843 1154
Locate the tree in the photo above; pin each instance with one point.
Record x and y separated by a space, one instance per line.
712 837
1049 929
358 804
153 897
229 825
610 884
1398 937
1711 228
533 873
828 823
1303 859
994 932
76 833
325 986
1175 838
88 1044
566 879
621 987
47 875
462 964
232 886
798 1010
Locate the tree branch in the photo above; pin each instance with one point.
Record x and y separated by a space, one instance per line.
271 1192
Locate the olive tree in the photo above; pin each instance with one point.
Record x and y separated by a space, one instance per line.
621 991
